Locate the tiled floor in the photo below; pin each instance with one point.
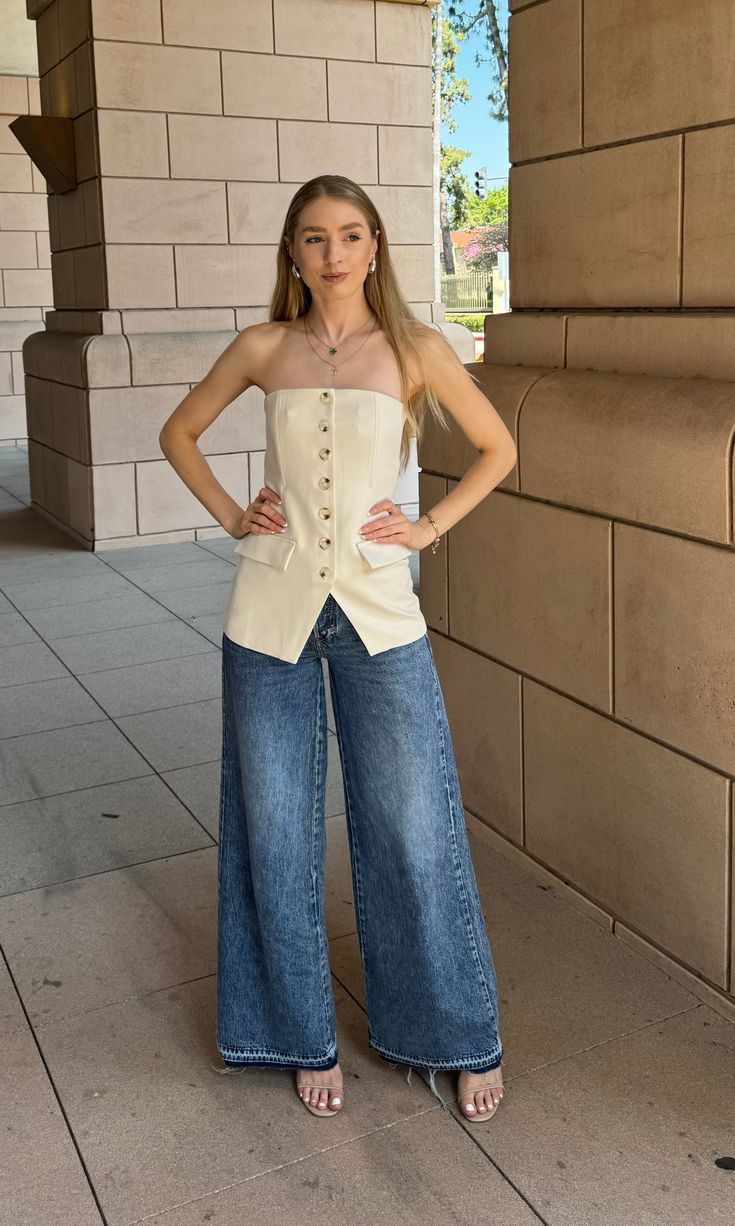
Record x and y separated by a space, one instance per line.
620 1083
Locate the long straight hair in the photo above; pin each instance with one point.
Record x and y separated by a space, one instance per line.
292 298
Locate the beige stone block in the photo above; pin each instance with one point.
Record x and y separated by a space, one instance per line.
632 447
17 249
125 422
545 80
135 542
79 478
175 357
433 578
525 338
113 493
13 422
28 287
222 147
224 275
56 484
13 96
675 641
628 95
709 199
107 361
8 142
699 345
245 316
140 275
164 502
601 245
403 33
539 602
163 211
232 24
257 211
379 93
6 374
56 356
47 38
722 1002
309 149
173 320
137 21
39 412
69 422
144 77
407 213
335 28
89 275
69 216
133 144
34 96
17 372
14 333
92 204
239 427
23 211
74 25
35 470
59 89
414 267
274 86
62 274
643 830
85 144
405 155
15 172
43 249
452 452
483 702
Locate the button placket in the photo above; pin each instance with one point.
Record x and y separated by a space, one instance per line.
324 483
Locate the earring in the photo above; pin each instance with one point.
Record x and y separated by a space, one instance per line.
295 272
373 265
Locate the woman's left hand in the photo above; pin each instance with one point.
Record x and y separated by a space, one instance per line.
394 528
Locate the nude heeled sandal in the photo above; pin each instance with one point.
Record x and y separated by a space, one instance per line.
494 1082
313 1085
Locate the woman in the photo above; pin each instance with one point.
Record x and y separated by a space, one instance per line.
348 373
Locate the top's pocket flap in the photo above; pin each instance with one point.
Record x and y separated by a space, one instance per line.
275 549
378 553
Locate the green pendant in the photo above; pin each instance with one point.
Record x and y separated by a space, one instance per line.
332 351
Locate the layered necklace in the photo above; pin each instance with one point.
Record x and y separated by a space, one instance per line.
332 349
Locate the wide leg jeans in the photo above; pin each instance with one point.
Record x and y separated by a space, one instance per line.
430 983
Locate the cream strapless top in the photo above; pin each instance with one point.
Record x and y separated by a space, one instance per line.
331 453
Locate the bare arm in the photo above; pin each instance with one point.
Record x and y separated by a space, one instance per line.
228 378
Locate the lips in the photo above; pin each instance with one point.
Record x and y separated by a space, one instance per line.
340 277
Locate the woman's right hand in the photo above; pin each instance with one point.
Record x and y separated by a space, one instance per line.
261 517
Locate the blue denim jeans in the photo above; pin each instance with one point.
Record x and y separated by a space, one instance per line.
430 984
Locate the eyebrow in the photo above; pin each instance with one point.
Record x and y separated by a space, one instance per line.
351 225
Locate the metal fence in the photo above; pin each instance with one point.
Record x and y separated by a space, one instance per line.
467 291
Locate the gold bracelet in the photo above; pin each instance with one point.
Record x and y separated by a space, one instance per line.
437 538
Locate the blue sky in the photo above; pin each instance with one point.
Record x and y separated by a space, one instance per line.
476 130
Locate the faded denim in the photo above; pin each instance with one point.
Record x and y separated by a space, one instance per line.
430 983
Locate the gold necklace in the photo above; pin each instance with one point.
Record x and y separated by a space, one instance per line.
333 348
352 355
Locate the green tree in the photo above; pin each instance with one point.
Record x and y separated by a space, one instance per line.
483 17
449 90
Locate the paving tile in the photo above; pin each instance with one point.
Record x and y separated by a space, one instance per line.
157 1126
42 1177
338 898
209 625
106 649
198 787
183 574
69 591
15 629
84 944
627 1132
42 705
75 564
193 602
421 1170
155 686
115 613
76 834
183 736
223 547
26 662
64 760
145 557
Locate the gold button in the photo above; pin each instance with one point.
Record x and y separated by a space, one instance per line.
324 453
324 483
324 512
323 425
324 572
324 396
324 542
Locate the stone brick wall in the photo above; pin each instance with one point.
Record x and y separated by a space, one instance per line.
588 662
25 261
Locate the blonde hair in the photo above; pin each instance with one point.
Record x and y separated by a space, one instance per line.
292 298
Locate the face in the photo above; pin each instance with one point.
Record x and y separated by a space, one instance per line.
333 236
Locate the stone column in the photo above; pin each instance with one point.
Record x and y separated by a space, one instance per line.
589 662
193 127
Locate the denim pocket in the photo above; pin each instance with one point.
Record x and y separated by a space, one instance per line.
378 554
273 548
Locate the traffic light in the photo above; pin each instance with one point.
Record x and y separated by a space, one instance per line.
480 184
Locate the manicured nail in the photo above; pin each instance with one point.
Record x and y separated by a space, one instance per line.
336 1102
